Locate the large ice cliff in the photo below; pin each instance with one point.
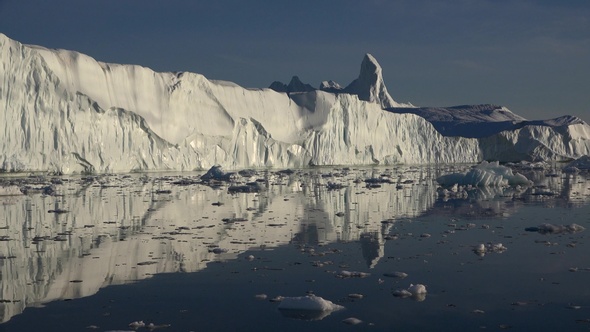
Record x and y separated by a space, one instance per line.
66 112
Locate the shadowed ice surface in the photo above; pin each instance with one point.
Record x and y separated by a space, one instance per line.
102 252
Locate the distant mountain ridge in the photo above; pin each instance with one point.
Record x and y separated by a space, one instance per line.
65 112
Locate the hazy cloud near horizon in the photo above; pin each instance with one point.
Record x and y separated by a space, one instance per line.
531 56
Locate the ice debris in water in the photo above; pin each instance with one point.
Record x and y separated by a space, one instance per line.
352 274
417 289
396 274
137 324
556 229
486 174
352 321
417 292
308 303
481 249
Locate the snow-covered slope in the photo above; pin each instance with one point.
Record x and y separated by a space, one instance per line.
66 112
478 121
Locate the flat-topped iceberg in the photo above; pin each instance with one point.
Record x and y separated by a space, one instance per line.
486 174
65 112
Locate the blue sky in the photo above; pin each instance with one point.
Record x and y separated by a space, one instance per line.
531 56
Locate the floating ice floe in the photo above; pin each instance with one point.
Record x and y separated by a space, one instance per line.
352 321
352 274
396 274
482 249
556 229
486 174
356 296
416 292
308 307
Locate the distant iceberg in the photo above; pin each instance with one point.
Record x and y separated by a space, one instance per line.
68 113
486 174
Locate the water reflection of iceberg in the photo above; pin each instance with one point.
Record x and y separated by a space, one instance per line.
118 230
373 247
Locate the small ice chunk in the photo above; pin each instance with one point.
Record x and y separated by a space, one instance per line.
486 174
417 289
352 274
480 248
352 321
402 293
556 229
136 324
396 274
309 302
416 292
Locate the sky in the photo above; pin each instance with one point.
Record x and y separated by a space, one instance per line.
530 56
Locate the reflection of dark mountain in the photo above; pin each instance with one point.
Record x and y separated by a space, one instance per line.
372 246
307 235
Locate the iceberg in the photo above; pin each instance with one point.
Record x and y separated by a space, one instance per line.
308 307
66 112
486 174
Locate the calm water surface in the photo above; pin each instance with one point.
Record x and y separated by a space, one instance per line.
98 253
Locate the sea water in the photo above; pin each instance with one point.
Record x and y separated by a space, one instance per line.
166 251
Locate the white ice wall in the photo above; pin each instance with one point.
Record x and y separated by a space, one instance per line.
64 111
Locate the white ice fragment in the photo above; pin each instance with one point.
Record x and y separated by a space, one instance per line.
396 274
486 174
402 293
355 296
417 289
480 248
261 296
137 324
352 274
308 303
556 229
352 321
416 292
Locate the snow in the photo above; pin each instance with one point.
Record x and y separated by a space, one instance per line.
65 112
486 174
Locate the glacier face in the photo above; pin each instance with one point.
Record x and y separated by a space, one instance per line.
66 112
